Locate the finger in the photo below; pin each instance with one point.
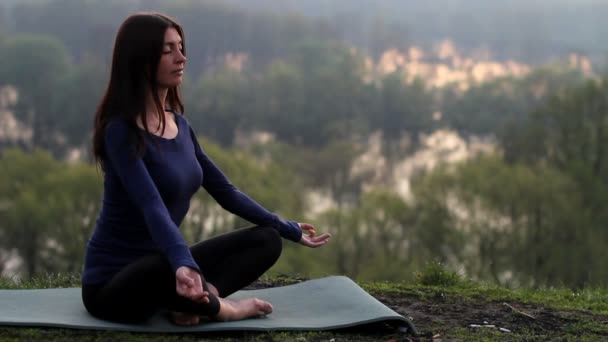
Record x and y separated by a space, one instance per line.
200 299
321 238
311 244
314 244
307 226
203 293
185 280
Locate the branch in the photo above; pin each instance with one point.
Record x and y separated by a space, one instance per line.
519 312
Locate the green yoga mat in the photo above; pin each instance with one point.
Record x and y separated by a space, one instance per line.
320 304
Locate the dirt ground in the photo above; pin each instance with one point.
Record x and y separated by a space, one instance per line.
434 318
442 319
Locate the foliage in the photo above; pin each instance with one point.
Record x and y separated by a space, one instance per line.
435 274
501 106
74 105
47 211
268 183
517 234
34 64
531 214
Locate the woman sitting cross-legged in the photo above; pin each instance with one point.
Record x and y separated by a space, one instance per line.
137 262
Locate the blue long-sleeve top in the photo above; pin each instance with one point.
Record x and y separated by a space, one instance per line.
146 198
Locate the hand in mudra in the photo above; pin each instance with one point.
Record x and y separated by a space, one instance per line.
188 283
310 239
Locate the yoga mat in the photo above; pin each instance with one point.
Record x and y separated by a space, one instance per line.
319 304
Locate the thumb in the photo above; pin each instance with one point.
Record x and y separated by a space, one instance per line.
185 279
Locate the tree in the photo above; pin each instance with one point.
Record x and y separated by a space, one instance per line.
73 108
222 102
316 95
502 105
75 199
523 224
404 110
268 183
48 210
34 64
24 212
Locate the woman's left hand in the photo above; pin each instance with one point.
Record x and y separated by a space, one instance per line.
310 239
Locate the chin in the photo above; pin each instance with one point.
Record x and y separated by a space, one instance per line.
169 85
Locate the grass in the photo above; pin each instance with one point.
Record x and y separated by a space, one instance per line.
442 305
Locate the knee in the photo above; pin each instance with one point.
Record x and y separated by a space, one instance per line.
272 240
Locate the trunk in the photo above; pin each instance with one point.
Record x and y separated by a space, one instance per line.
29 258
539 259
597 164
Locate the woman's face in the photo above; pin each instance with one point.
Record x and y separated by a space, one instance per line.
172 61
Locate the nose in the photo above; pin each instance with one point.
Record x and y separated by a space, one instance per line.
180 57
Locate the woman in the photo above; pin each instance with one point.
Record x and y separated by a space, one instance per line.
137 261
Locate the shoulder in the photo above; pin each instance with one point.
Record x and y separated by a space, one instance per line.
183 122
118 129
182 119
117 124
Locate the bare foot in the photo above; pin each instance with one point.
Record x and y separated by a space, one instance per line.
242 309
184 318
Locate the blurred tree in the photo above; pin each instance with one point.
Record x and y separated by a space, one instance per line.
569 133
330 168
501 106
533 232
404 110
221 29
85 27
280 100
436 237
573 129
268 183
34 64
24 211
73 108
221 103
48 210
316 95
381 238
75 198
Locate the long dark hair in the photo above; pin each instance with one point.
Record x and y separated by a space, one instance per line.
137 52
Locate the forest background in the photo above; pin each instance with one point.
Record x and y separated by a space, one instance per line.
469 133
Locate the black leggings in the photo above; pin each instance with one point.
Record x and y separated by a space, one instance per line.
229 261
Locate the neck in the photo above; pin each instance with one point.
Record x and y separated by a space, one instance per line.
162 96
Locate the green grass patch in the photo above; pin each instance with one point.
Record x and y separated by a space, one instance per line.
47 281
435 274
439 297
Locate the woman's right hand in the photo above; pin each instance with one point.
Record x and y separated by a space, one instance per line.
188 283
311 239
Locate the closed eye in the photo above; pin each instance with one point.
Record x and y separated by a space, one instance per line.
171 47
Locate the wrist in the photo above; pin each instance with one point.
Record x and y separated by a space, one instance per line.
294 232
